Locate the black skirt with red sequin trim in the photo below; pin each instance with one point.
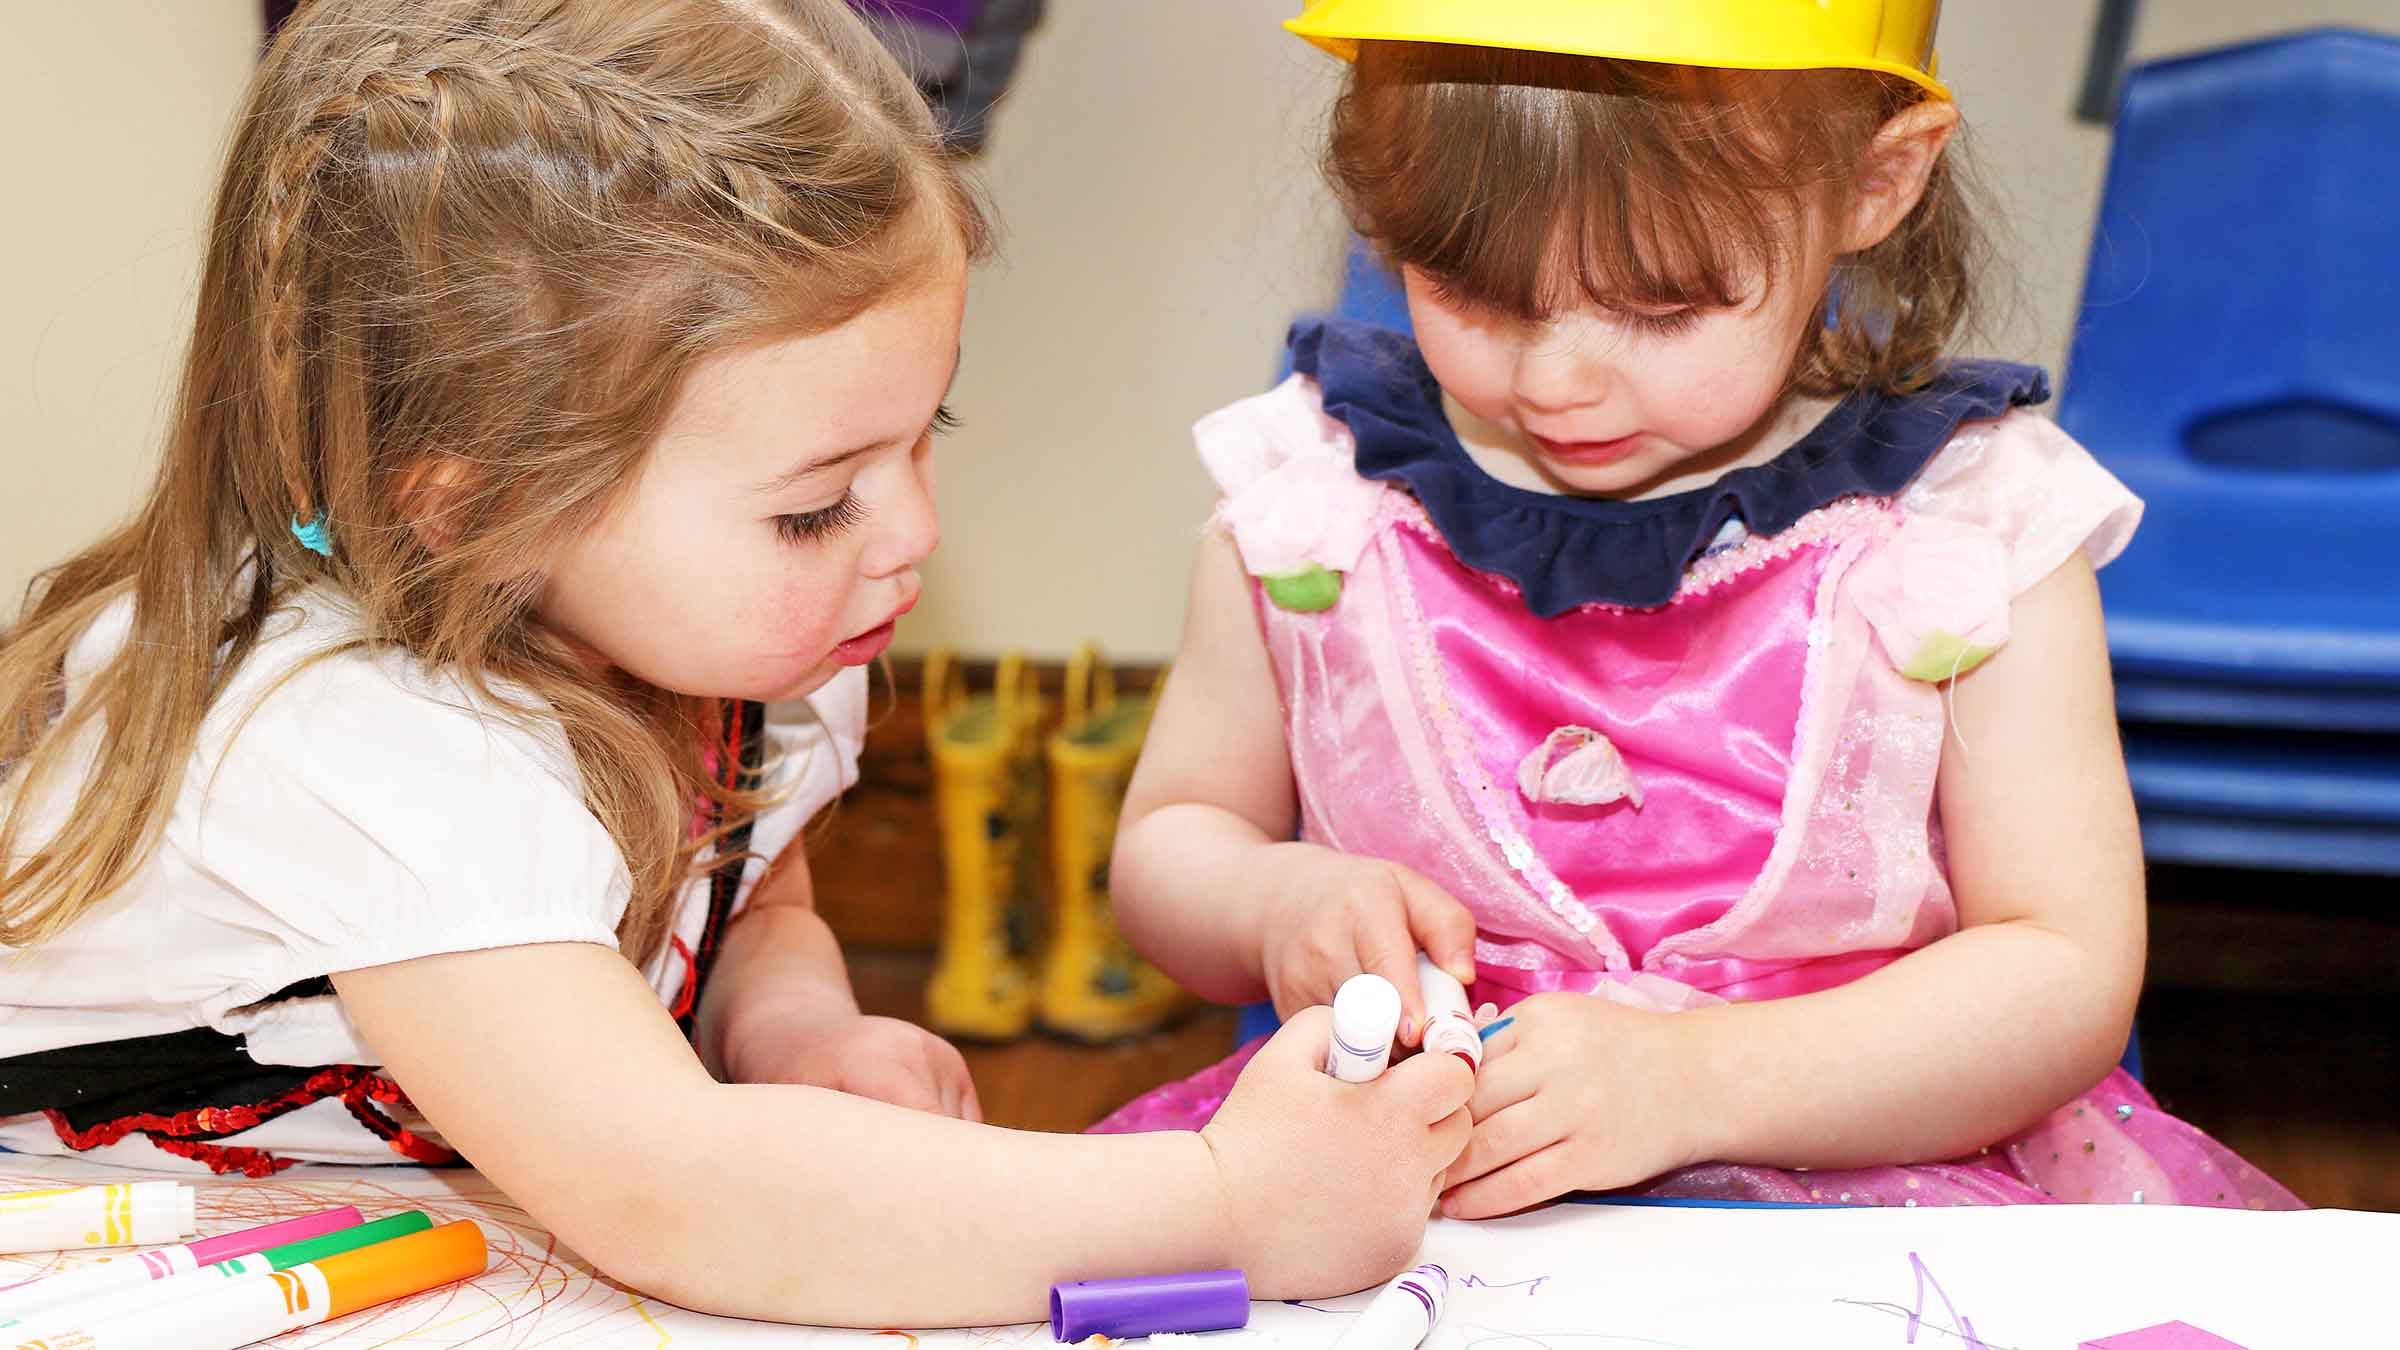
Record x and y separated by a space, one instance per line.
188 1091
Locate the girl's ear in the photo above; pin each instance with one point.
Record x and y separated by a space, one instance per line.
1893 171
429 497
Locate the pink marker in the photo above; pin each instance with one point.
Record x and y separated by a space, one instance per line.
167 1262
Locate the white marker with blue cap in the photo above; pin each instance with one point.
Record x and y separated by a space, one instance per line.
1366 1016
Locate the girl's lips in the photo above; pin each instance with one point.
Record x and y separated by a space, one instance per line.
870 644
1588 454
864 648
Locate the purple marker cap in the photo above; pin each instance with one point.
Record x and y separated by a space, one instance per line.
1207 1300
209 1251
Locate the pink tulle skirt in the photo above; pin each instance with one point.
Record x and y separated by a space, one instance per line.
2112 1145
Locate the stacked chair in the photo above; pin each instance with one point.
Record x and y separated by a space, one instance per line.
2237 363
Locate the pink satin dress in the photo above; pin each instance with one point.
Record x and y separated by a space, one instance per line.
1726 796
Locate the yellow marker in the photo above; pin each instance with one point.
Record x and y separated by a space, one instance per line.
139 1213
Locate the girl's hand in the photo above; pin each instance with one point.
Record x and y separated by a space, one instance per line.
879 1057
1331 915
1327 1184
1575 1094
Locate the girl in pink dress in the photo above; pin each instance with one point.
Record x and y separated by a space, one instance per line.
1708 672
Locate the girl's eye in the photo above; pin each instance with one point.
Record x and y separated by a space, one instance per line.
944 421
1452 296
808 527
1665 323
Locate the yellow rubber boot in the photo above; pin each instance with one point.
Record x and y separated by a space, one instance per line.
987 776
1094 986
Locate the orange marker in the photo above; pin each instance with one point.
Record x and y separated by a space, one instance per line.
239 1312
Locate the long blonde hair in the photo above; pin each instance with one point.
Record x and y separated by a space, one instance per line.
489 238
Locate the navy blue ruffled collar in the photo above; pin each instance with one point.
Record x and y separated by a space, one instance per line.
1567 551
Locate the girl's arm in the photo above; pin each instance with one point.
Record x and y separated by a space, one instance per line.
778 1009
1214 787
1982 1033
780 970
1961 1043
1206 879
555 1070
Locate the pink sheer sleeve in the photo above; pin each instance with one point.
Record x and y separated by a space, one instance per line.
2028 483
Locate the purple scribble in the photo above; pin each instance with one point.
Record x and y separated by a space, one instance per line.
1531 1287
1966 1329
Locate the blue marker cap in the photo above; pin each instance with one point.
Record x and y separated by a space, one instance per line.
1208 1300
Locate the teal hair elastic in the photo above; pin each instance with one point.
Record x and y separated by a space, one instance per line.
316 536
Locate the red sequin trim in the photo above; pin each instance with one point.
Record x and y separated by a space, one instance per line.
224 1158
185 1134
691 981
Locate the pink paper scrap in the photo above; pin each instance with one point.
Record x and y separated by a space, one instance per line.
2164 1336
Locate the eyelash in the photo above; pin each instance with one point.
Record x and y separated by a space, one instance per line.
1445 294
1666 323
808 527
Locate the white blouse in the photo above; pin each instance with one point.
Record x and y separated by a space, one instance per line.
352 811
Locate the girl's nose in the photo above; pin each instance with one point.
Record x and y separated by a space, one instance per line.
911 526
1558 373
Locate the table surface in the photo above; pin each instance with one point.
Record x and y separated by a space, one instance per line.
1567 1277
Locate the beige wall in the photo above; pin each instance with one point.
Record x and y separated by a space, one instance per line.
1162 222
1153 174
117 112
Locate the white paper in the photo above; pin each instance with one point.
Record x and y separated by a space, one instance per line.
1570 1277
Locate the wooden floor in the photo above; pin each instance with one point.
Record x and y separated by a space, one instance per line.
1041 1082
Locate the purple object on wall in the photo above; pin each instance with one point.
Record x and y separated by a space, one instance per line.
956 15
961 53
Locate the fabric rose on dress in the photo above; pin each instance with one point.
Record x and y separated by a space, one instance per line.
1298 510
1577 766
1936 594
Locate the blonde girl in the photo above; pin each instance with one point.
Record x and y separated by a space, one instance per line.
419 773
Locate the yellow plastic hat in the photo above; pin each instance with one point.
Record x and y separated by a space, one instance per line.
1893 36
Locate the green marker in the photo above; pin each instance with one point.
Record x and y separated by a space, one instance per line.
256 1266
317 1248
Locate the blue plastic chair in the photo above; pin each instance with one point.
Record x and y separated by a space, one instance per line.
2237 363
1371 292
2257 798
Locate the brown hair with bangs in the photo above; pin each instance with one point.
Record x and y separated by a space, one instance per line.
1525 182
